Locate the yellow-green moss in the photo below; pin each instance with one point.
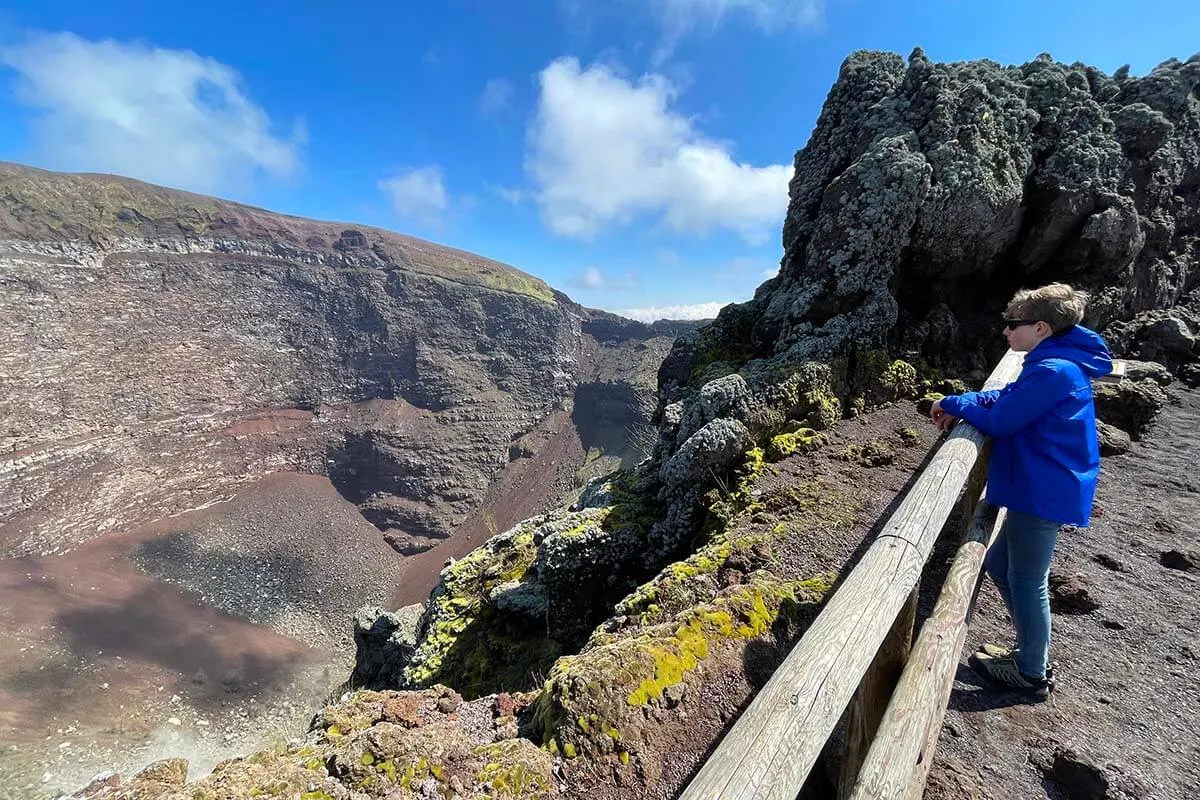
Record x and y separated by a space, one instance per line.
513 768
722 348
785 444
590 524
605 684
687 583
445 656
813 505
874 453
725 507
899 379
873 377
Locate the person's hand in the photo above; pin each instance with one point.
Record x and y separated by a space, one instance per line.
943 420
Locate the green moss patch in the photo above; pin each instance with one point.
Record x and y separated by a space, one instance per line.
875 453
515 768
469 643
799 441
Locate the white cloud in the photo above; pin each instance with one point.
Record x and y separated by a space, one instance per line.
168 116
496 96
418 194
510 195
682 15
652 313
604 150
592 279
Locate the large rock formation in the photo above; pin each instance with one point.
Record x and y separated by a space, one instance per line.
928 193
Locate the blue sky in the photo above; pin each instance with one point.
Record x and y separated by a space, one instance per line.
633 153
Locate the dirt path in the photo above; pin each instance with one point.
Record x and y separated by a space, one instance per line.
1128 686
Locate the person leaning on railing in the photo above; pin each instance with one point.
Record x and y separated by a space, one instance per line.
1044 463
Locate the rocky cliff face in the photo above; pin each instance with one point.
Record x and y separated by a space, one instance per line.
168 362
928 193
143 326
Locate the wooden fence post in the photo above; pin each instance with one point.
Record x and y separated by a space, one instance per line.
871 697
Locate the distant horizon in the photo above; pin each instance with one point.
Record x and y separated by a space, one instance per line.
634 156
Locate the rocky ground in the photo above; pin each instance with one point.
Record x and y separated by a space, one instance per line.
1124 717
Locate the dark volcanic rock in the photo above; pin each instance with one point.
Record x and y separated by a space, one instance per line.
1187 560
1077 776
1113 441
929 192
1070 594
1142 370
1128 405
385 642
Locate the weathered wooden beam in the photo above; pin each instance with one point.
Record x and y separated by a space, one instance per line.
773 746
871 698
899 759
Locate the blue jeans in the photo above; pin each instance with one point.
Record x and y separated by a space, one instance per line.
1019 563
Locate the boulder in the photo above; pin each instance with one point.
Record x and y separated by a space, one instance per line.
1151 370
385 642
1170 336
927 191
1077 775
1186 560
1113 441
1071 594
1129 405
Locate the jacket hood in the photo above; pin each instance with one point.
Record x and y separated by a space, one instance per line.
1079 344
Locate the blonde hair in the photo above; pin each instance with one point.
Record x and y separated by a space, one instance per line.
1057 303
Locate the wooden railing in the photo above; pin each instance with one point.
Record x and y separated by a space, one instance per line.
858 646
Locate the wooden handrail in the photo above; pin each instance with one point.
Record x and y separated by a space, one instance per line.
774 744
898 761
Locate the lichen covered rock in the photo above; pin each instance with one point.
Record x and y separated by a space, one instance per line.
594 703
385 643
468 640
927 192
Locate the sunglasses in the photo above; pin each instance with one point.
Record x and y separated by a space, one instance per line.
1013 324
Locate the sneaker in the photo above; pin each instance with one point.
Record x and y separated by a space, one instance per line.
1004 671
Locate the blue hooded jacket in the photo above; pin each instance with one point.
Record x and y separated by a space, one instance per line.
1045 454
